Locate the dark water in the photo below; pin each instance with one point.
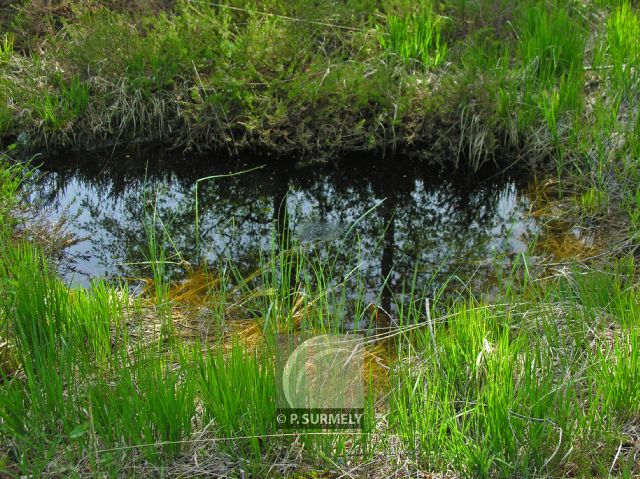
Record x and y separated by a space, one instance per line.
399 217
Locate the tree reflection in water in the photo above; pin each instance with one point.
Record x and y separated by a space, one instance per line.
423 222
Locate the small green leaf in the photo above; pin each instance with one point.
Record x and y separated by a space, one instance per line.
79 430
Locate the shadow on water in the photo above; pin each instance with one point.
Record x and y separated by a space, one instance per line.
403 218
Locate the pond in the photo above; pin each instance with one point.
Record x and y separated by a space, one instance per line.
393 219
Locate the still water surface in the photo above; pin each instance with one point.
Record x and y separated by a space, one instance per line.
389 218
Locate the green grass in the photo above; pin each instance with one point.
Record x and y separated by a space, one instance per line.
391 76
540 385
418 37
624 54
57 110
12 176
238 396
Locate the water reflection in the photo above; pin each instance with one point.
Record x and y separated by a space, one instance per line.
401 217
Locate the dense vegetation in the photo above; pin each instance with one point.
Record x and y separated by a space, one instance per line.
476 78
545 383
